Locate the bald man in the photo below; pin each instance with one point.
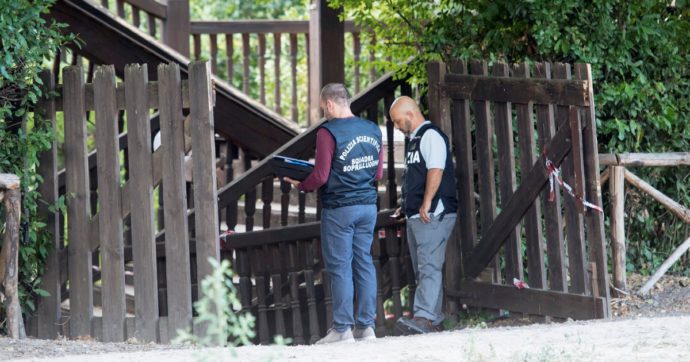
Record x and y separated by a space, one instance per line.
429 202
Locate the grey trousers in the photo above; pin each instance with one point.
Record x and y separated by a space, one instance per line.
427 243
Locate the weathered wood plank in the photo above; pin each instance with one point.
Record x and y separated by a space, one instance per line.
485 161
476 87
439 108
574 223
49 311
110 223
645 159
151 88
507 178
533 225
462 139
617 192
141 204
533 182
203 145
78 211
9 254
553 221
179 297
531 301
594 221
213 39
262 68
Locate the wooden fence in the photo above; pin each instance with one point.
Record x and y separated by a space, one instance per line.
91 253
516 210
617 174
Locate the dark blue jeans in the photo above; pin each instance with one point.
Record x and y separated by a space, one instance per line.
346 236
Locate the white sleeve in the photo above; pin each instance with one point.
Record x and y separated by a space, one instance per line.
433 149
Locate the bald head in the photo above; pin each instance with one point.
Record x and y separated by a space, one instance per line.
405 114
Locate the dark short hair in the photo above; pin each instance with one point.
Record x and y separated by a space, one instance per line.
335 92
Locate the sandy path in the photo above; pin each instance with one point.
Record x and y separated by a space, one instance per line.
644 339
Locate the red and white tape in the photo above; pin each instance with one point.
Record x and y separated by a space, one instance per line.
555 176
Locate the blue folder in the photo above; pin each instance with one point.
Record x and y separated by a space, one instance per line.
293 168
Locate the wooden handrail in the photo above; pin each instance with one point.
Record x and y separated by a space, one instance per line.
160 10
258 26
645 159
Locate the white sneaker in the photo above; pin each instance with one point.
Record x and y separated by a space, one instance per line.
334 336
364 334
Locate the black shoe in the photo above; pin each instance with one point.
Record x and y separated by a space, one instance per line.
416 325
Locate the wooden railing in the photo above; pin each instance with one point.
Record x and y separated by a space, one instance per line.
617 173
252 45
240 51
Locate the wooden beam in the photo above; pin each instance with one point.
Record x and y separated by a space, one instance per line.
153 7
530 301
517 206
665 266
516 90
617 192
326 52
176 26
645 159
677 209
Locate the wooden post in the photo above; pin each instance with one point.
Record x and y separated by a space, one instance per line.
617 191
177 264
9 256
109 214
206 213
326 52
49 311
141 204
78 210
176 27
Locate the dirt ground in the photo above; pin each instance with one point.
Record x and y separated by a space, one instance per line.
642 329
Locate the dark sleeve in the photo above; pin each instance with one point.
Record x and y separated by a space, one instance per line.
325 148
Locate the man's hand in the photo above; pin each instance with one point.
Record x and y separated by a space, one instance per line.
424 212
294 182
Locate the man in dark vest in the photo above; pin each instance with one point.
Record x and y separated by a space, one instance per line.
348 161
429 202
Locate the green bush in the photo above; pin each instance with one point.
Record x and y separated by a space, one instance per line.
27 40
639 51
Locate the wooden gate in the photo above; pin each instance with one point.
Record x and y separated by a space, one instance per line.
526 227
93 254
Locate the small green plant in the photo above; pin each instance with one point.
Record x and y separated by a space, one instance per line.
217 313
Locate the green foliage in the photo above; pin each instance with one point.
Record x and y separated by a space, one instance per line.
258 9
217 311
26 41
639 52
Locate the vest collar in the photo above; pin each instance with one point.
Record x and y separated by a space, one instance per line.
414 133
